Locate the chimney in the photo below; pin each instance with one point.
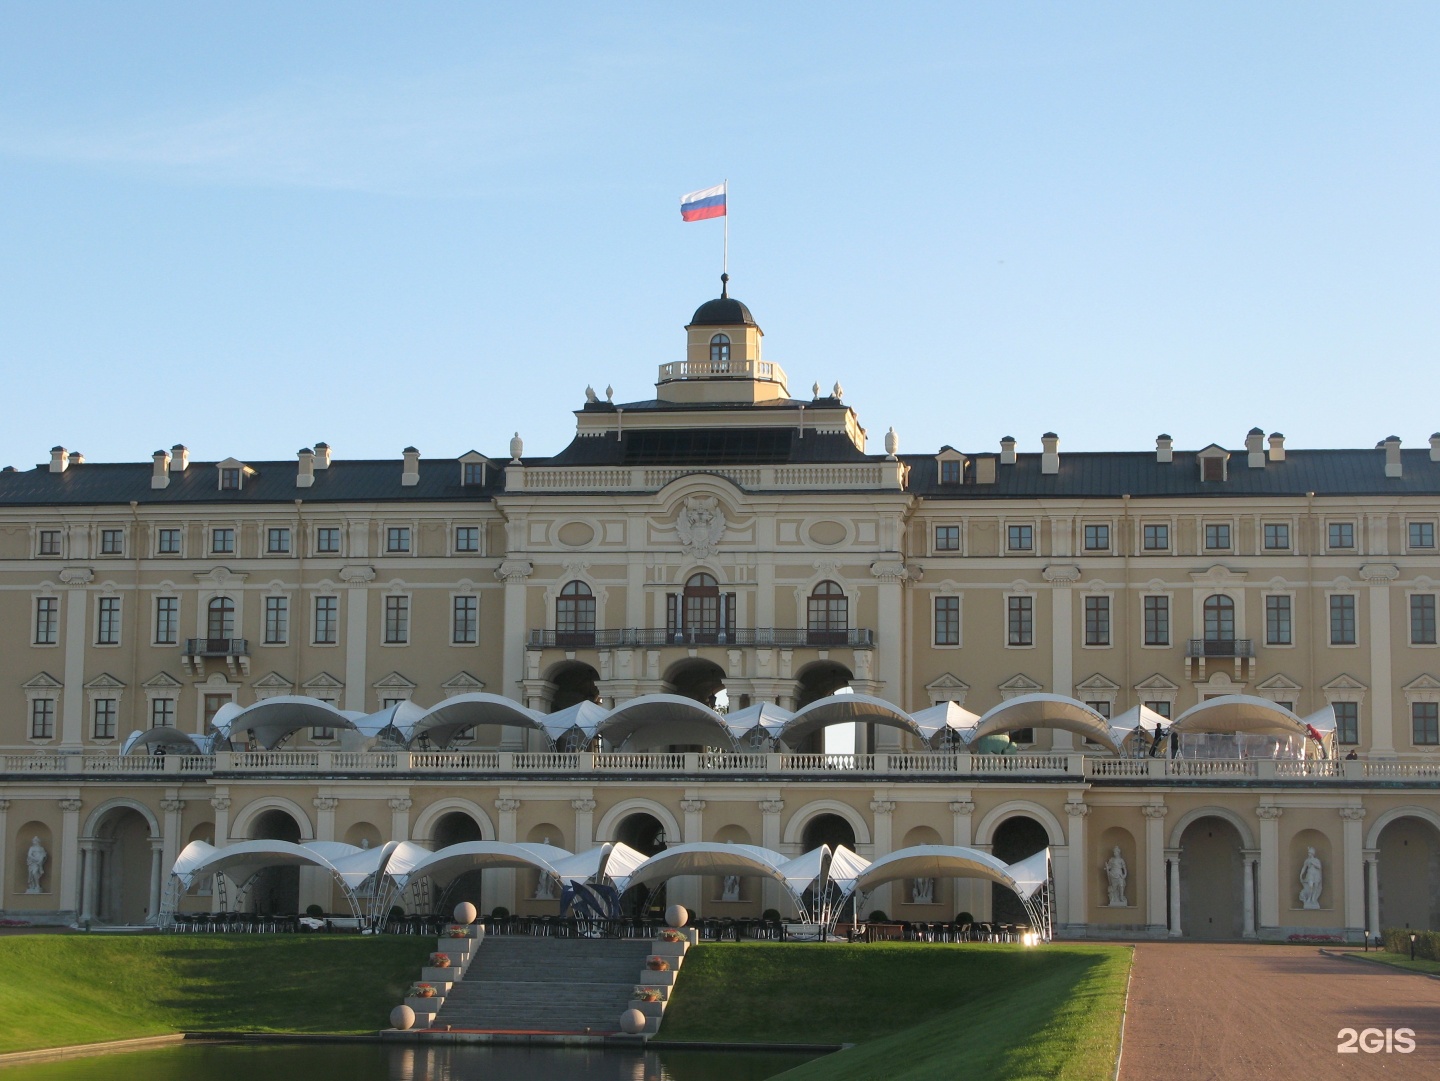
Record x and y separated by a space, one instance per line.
77 457
179 457
160 478
411 476
1435 447
306 475
1254 448
1392 456
985 469
322 455
59 459
1164 448
1007 450
1277 447
1050 459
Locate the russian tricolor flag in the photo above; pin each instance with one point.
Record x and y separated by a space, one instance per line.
699 205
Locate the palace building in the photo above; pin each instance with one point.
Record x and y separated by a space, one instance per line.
652 635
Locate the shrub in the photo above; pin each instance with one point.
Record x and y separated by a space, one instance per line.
314 911
770 914
499 912
1427 943
396 911
877 916
964 917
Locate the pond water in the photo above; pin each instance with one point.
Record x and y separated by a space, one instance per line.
206 1061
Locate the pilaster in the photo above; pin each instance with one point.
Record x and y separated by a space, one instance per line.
1079 908
77 637
584 809
1269 816
1377 627
1155 911
69 891
357 635
1352 830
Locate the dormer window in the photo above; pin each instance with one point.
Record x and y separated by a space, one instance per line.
1214 460
229 480
950 471
232 474
473 474
720 349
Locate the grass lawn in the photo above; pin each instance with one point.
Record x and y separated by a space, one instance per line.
71 989
1402 960
917 1011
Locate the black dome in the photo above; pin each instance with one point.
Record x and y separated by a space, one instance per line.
722 312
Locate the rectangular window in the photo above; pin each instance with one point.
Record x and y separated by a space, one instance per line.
1102 708
320 735
1422 619
950 471
213 704
1342 534
47 621
1347 722
230 480
465 621
467 538
277 621
1161 707
1157 621
49 542
1212 469
327 620
42 718
222 541
327 540
167 542
397 620
1422 534
103 721
473 474
1217 535
1425 723
162 712
167 621
1021 620
107 622
947 621
112 542
947 538
1157 538
1342 620
397 538
277 541
1277 537
1097 538
1277 621
1097 621
1021 538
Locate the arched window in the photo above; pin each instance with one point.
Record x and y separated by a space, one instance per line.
720 349
829 614
575 615
1219 618
220 621
700 614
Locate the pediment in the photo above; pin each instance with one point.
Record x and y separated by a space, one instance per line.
1098 684
162 681
394 681
104 682
323 682
1019 684
43 682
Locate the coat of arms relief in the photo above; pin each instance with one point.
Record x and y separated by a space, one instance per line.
700 525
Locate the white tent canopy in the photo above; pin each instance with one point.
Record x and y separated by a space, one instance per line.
1047 711
707 858
168 736
845 866
665 719
766 717
272 719
583 866
401 717
945 718
849 709
946 861
442 723
1239 714
454 860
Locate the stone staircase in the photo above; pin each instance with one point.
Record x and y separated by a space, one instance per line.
522 984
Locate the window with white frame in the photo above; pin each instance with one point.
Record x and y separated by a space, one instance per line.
950 471
42 718
277 621
467 538
1217 535
222 541
1156 537
1101 707
947 621
327 540
465 620
1347 722
107 621
1097 621
1097 537
397 539
47 621
947 538
167 542
103 718
1279 622
1341 535
277 541
1020 538
162 713
1422 534
1020 621
1422 619
1160 706
112 542
397 620
1277 536
48 542
327 620
167 621
229 480
1157 621
1425 723
1342 619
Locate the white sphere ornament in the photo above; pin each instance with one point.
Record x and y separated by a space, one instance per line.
632 1022
465 913
402 1017
675 916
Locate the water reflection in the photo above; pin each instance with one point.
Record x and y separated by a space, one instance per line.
406 1062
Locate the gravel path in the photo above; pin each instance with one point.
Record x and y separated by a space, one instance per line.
1208 1011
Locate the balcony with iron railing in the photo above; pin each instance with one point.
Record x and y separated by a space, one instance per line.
1220 648
216 647
660 637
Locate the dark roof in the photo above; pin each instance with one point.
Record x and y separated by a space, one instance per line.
709 447
273 482
1138 474
722 312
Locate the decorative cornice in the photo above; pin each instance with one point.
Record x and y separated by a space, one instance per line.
172 805
514 570
220 803
1077 810
962 807
357 575
76 576
507 805
771 806
882 806
325 803
1269 812
1061 574
1352 814
582 806
692 806
400 803
69 806
1379 572
1154 810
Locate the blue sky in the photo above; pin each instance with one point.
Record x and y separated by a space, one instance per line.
251 227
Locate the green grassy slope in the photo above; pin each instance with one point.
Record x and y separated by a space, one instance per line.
72 989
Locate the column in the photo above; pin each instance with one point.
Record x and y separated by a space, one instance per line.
770 838
1372 886
513 572
4 852
499 887
1269 816
1248 927
69 891
962 817
1079 907
890 575
317 886
882 898
1377 627
170 831
584 809
325 817
690 890
1062 641
400 817
220 803
157 864
1352 826
357 635
1173 855
1155 913
77 637
89 874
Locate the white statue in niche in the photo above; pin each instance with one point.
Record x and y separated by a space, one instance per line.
730 891
700 525
544 888
922 891
1312 880
1116 875
35 858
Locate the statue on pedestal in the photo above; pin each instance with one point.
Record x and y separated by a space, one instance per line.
730 891
35 859
923 891
1116 875
1312 880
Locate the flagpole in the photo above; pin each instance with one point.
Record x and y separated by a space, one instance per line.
725 262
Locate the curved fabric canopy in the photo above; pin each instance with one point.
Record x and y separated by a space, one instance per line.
272 719
945 718
401 717
442 723
766 718
1047 711
241 862
620 862
665 719
171 738
1239 713
847 709
845 866
454 860
708 858
953 861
